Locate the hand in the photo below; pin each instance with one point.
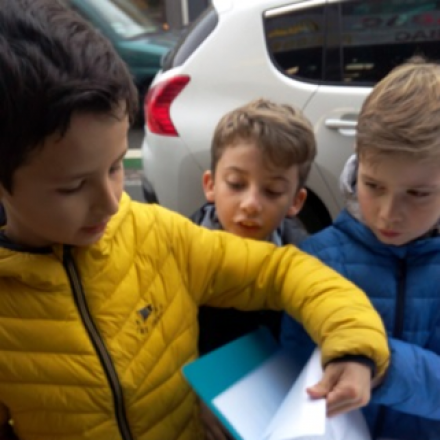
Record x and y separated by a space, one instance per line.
345 385
214 430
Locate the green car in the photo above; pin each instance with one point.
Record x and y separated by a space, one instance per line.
139 39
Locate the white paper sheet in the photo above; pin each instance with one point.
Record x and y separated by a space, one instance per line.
271 403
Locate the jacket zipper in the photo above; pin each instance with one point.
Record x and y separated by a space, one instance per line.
400 304
98 343
399 319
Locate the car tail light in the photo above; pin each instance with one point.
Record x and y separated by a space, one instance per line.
158 103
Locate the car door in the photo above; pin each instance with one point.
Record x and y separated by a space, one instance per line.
364 41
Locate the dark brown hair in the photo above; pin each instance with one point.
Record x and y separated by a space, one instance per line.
52 64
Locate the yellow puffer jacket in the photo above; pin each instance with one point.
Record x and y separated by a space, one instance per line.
92 340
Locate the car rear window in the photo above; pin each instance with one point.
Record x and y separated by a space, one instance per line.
191 39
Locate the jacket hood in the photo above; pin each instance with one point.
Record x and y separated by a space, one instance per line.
347 185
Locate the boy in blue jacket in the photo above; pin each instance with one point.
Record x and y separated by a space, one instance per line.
387 242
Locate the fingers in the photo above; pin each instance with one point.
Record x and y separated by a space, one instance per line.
325 385
347 397
345 385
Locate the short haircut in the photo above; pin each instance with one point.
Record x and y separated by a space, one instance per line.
402 113
283 134
52 64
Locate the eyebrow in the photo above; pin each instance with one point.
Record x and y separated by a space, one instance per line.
427 187
366 176
271 177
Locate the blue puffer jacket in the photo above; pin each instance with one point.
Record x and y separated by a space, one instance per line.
404 285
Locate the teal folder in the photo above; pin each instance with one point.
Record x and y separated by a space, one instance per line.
212 374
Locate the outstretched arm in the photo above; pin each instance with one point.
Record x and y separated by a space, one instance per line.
223 270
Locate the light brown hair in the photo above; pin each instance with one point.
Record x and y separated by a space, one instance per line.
402 113
283 134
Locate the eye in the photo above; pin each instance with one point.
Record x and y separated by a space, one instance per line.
418 194
371 185
273 194
115 168
68 191
236 186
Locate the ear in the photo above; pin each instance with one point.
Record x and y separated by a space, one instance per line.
298 202
208 186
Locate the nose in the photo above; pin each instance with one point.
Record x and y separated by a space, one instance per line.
251 202
107 198
391 210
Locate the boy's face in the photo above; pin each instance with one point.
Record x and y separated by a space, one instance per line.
399 198
68 190
252 198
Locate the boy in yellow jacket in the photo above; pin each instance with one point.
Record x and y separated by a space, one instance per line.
99 295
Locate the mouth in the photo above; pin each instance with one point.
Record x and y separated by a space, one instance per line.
252 226
388 233
95 229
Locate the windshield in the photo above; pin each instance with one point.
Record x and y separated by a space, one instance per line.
125 18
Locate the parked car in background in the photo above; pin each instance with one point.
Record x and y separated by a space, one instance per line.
322 56
140 40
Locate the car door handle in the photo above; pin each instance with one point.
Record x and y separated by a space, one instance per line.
346 127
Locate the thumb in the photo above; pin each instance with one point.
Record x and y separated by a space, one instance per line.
324 386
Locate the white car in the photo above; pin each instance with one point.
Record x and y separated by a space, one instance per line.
322 56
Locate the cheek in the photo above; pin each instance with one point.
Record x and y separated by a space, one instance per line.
64 212
430 213
277 210
225 209
366 203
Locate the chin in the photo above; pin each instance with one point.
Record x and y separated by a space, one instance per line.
398 241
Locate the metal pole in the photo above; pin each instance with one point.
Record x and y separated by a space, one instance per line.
185 12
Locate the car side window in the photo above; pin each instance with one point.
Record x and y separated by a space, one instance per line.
295 39
376 36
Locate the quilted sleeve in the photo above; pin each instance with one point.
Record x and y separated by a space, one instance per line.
224 270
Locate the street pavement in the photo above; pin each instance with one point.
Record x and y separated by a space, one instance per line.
133 164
